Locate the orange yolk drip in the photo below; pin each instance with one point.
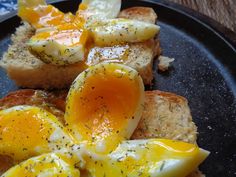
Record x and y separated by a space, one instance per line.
44 16
68 34
104 105
22 131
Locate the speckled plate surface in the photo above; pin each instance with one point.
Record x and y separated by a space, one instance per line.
204 72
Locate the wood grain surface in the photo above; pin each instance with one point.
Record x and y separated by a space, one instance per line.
223 11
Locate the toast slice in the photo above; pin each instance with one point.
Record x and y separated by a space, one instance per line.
165 115
30 72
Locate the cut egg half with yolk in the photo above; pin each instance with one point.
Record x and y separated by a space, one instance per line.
53 165
152 157
27 131
64 44
41 15
104 105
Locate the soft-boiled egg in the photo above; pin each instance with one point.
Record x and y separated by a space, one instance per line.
27 131
63 39
52 164
104 105
41 15
59 39
64 44
153 157
117 31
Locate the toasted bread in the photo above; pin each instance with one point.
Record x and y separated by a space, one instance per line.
30 72
139 13
165 115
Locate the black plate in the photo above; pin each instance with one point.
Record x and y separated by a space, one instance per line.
204 72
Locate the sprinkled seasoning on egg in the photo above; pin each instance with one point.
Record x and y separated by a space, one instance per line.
152 157
104 105
27 131
53 165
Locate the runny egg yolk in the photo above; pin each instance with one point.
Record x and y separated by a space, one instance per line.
68 35
104 105
44 16
53 165
153 157
26 131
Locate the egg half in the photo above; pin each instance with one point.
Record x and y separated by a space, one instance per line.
61 45
104 105
148 158
27 131
53 165
110 32
63 39
41 15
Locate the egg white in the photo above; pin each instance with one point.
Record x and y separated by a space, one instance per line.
50 51
151 157
118 31
52 164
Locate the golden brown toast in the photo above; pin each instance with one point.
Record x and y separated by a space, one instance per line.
165 115
139 13
30 72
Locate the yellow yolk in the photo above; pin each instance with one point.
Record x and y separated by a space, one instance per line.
64 44
26 131
68 35
64 39
44 16
104 105
153 157
60 39
53 165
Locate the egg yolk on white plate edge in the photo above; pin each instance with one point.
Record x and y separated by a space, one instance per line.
63 39
99 122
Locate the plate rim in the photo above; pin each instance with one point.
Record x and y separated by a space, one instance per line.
191 14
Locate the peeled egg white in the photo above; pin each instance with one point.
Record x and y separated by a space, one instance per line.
118 31
60 45
151 157
52 52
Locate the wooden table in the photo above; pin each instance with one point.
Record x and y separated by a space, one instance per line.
223 11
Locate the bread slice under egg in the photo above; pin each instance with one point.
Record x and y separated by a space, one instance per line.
166 115
30 72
